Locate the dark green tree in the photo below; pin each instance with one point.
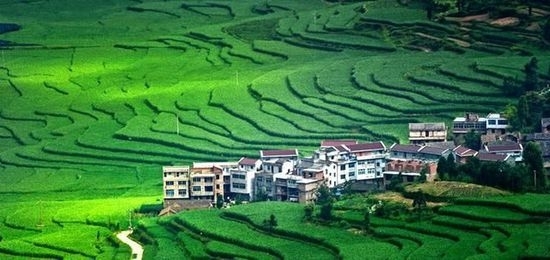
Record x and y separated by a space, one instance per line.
472 140
326 212
511 87
442 168
324 198
531 75
451 167
219 201
366 221
532 157
308 212
324 195
419 203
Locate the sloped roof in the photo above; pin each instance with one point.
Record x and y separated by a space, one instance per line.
335 142
432 150
496 148
247 161
407 148
374 146
427 127
492 157
463 151
279 153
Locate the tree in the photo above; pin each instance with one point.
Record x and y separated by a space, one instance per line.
326 211
472 140
451 167
531 75
442 169
261 195
419 203
270 223
219 201
324 198
532 157
324 195
423 174
308 212
366 221
511 87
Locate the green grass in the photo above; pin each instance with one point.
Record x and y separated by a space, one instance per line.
91 92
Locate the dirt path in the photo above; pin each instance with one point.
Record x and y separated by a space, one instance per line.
137 250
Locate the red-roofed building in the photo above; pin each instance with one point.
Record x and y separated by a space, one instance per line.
462 154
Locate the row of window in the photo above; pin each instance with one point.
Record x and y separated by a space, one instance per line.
237 185
177 174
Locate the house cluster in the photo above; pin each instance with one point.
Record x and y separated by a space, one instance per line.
284 175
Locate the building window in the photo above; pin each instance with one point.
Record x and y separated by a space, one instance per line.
260 178
217 186
181 183
217 177
182 192
196 188
196 179
169 193
351 165
239 185
502 122
238 176
209 188
342 176
169 183
492 122
342 167
361 171
351 174
208 179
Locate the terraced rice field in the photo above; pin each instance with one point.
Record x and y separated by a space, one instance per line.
96 96
472 229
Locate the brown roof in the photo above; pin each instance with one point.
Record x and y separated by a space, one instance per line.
341 148
374 146
427 127
247 161
334 142
278 153
432 150
463 151
492 157
408 148
495 148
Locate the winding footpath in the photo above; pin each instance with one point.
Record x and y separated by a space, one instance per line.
137 250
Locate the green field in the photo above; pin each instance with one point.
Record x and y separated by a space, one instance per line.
473 229
95 96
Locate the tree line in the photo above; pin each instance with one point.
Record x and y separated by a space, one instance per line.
520 177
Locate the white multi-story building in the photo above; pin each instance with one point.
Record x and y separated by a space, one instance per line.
242 178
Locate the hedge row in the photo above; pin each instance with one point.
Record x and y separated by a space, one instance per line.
503 204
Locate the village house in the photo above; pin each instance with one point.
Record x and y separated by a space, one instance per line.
422 133
462 154
514 150
408 170
295 188
493 124
242 179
